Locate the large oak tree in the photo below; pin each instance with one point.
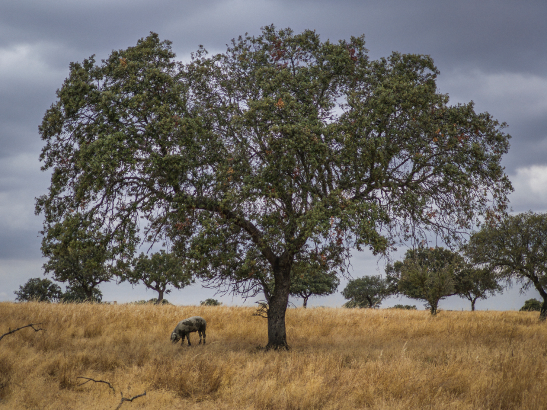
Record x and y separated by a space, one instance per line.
281 149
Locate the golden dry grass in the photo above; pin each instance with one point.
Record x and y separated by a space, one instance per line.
339 359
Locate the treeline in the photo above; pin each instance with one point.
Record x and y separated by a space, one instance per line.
511 249
428 275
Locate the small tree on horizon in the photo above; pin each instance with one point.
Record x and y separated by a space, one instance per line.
426 274
313 279
40 290
366 292
158 272
473 283
531 305
81 254
515 247
210 302
404 307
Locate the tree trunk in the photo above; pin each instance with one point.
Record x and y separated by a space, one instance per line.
433 308
160 296
305 304
543 294
277 336
88 290
473 304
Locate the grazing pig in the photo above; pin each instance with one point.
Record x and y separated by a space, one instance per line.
187 326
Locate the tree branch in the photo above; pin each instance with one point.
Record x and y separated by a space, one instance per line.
252 230
15 330
131 399
96 381
114 390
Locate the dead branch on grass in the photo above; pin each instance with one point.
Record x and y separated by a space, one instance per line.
131 399
22 327
96 381
89 379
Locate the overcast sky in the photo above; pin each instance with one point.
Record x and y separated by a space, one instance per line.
491 52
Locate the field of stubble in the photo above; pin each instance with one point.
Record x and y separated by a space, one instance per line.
339 359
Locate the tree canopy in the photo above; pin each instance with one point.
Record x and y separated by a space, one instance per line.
516 248
281 149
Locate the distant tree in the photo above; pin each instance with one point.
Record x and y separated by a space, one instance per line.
473 283
516 248
76 294
153 301
40 290
81 254
427 274
531 305
404 307
312 280
365 292
210 302
279 145
158 272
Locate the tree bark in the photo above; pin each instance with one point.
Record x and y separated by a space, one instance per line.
305 304
473 304
160 296
88 290
543 294
277 335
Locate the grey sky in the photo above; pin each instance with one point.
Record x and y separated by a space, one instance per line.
491 52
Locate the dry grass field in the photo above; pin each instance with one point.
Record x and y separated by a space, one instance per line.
339 359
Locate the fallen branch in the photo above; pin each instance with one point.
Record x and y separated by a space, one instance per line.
89 379
131 399
96 381
19 328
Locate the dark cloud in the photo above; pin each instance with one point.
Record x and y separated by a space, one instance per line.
495 35
22 244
